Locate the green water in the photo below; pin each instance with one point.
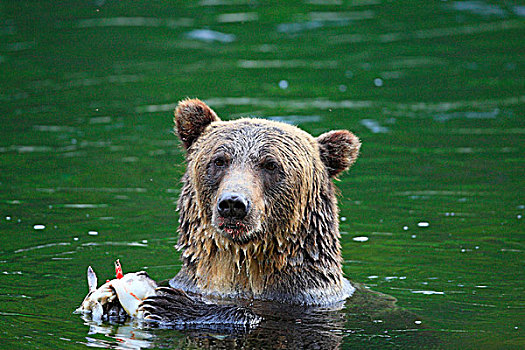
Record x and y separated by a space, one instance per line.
435 90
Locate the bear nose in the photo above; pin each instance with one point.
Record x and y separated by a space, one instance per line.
232 205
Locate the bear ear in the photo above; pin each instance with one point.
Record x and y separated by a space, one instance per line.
192 116
338 150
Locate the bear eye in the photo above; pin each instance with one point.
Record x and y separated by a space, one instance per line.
270 165
219 162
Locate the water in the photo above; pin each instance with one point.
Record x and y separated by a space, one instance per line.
431 214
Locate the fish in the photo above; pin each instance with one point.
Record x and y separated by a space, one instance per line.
120 296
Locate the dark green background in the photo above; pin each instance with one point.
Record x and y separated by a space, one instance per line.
435 90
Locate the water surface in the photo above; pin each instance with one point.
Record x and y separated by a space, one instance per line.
431 214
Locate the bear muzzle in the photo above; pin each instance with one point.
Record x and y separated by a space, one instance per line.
233 216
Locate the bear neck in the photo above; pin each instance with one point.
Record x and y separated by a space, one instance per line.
300 266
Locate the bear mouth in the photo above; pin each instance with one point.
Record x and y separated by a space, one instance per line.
233 229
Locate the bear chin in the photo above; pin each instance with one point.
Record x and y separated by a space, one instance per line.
235 230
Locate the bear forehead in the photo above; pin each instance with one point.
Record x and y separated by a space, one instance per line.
259 132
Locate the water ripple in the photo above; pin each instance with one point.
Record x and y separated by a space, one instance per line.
135 22
322 103
42 246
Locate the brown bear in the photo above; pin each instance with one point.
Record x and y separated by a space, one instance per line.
258 211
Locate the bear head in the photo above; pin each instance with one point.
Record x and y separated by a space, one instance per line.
252 178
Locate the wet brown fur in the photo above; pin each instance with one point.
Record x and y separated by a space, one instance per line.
295 256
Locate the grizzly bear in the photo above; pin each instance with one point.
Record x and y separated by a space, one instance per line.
258 210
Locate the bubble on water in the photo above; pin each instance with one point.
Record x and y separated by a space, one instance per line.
378 82
92 233
8 218
463 250
75 238
423 224
360 239
39 227
283 84
413 236
417 322
373 277
144 241
343 218
405 228
342 88
349 74
519 216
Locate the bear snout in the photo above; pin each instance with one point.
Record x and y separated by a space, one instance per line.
233 205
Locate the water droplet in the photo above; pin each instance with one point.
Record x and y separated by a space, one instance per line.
343 218
423 224
417 322
342 88
405 228
413 236
8 218
360 239
75 238
92 233
39 227
378 82
283 84
519 216
144 241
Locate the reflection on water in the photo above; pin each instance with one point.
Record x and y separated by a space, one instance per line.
432 212
366 317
